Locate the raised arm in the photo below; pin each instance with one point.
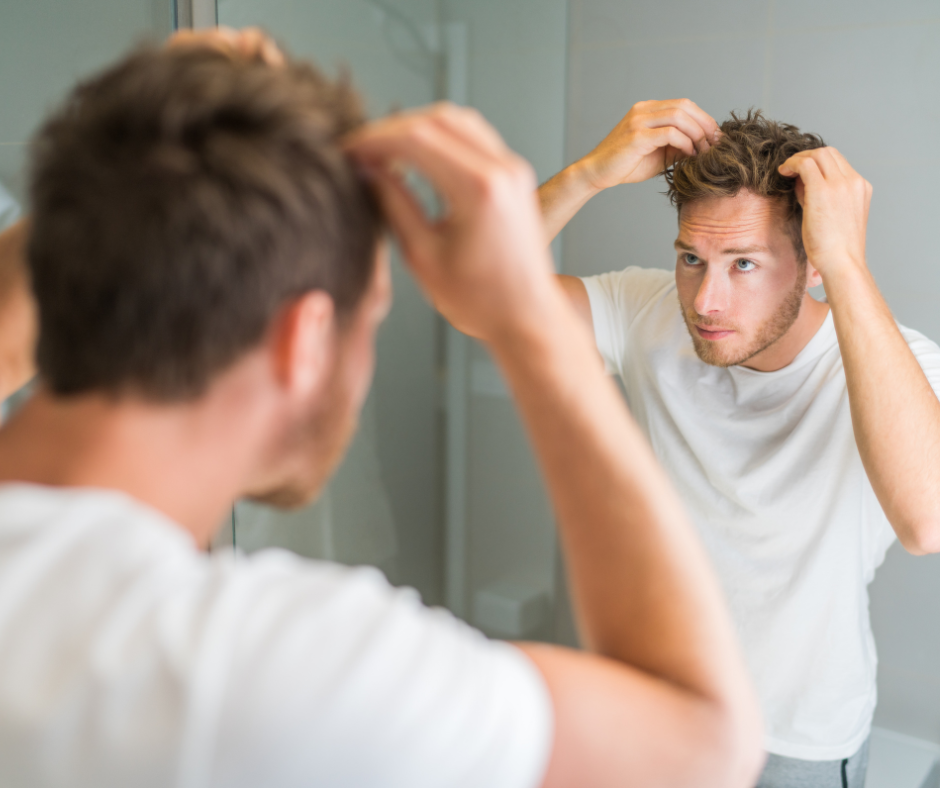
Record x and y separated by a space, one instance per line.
17 313
895 412
649 138
663 699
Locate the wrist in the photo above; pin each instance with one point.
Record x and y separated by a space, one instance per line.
845 268
583 177
532 328
847 282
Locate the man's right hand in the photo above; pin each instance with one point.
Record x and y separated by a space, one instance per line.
665 676
483 264
651 137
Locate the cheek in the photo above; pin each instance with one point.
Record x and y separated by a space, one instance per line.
360 368
686 287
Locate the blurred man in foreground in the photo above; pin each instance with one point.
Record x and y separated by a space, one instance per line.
210 274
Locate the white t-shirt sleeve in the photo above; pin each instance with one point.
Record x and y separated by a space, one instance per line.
927 354
335 678
616 299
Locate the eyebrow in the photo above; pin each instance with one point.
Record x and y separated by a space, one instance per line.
738 250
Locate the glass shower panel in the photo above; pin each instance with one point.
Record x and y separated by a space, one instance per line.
384 505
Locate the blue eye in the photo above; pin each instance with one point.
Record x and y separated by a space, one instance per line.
691 259
745 265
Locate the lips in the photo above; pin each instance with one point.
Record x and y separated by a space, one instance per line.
713 333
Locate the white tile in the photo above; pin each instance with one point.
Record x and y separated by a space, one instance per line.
871 93
627 225
46 46
607 82
597 22
902 240
634 224
907 634
852 13
898 761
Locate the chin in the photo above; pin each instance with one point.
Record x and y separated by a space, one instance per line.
292 495
713 354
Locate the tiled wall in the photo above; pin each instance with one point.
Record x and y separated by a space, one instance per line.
516 78
864 75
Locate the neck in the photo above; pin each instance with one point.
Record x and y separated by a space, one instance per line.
782 352
189 461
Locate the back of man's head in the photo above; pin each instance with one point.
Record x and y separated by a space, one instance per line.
746 158
179 200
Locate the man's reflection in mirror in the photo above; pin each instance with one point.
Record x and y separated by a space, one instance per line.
803 434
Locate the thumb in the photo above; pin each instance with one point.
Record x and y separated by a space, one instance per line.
800 191
404 214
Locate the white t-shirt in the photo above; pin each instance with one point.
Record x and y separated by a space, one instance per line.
767 465
128 658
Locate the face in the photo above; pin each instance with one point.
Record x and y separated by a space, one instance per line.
316 439
740 282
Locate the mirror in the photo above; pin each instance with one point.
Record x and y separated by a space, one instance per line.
439 488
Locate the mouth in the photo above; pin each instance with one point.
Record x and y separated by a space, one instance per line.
713 333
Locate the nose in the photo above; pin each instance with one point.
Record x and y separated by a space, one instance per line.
713 293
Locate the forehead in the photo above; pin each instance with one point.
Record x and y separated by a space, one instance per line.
745 217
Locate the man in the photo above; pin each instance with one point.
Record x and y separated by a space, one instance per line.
802 435
209 276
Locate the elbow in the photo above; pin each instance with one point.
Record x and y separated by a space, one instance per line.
921 538
734 753
747 755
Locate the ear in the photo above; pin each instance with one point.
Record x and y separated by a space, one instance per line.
304 343
813 277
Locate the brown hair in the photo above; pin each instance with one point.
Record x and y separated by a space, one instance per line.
746 157
179 200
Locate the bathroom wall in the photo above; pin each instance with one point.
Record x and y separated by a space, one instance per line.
385 504
45 46
516 54
865 75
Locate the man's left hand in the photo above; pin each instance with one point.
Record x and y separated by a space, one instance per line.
835 202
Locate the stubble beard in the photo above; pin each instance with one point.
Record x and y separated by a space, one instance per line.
773 329
316 443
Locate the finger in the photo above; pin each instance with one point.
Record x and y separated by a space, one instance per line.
670 135
252 42
684 122
453 166
806 167
842 163
405 215
706 121
472 127
821 157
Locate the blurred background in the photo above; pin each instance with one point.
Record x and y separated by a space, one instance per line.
439 488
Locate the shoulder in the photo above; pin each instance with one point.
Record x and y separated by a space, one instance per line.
635 280
917 342
357 660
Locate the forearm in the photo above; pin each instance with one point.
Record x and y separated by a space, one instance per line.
895 412
562 197
640 583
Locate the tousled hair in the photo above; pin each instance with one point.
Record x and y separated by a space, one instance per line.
746 157
179 200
